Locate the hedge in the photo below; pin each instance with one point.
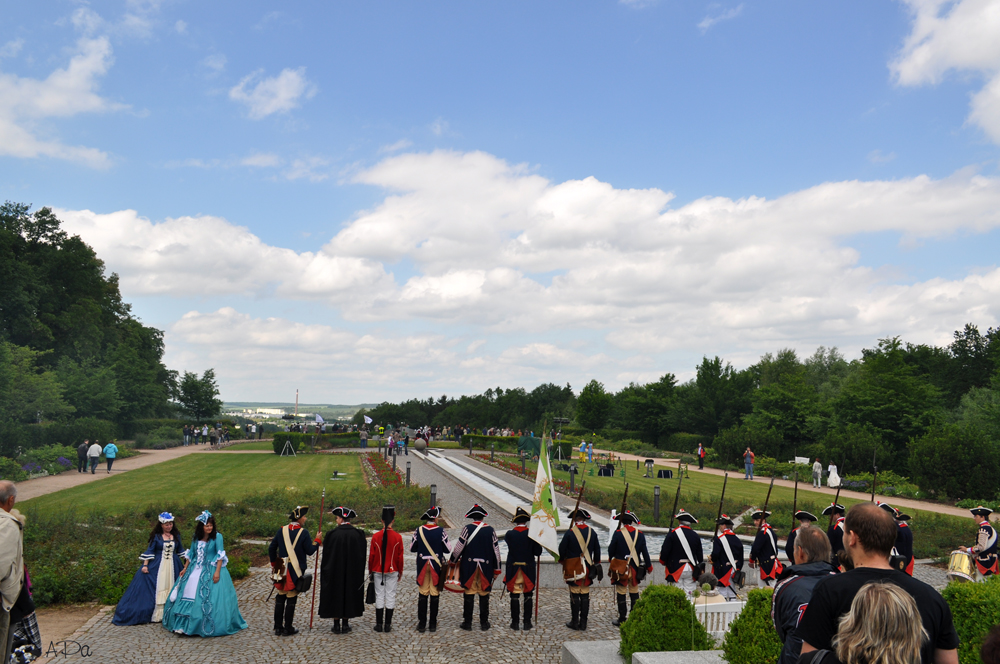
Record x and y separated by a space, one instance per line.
751 638
322 441
15 437
975 609
501 443
610 434
684 442
663 620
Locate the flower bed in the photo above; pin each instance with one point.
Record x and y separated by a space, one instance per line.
378 472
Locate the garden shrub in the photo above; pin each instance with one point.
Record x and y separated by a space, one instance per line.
975 609
11 470
323 441
684 442
751 638
663 620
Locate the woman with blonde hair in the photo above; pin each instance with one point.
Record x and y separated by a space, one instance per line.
882 627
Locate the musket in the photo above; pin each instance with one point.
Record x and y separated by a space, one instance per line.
319 531
677 498
768 499
624 503
721 498
795 499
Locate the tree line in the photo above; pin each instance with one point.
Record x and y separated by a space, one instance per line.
70 348
931 413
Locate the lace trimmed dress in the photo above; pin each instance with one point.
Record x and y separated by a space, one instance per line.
145 597
198 607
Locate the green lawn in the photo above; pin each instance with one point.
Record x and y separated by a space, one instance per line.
204 477
256 445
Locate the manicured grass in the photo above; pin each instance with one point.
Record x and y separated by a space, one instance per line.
256 445
204 477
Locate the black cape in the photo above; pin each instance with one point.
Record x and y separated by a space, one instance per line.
342 587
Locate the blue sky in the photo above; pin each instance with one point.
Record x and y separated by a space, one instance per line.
377 200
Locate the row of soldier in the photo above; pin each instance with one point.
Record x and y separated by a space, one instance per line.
471 566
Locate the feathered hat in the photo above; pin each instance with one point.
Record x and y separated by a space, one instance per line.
165 517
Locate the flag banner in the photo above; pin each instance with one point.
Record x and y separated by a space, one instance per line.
544 514
368 420
319 419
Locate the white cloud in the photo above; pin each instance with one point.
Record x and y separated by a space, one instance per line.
401 144
180 27
879 157
478 231
709 21
262 160
308 168
439 127
216 62
278 94
11 48
25 102
955 35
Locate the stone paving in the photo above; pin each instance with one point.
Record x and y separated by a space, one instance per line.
151 644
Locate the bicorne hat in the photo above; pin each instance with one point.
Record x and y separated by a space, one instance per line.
521 515
981 511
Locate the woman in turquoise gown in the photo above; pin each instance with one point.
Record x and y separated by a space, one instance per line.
203 601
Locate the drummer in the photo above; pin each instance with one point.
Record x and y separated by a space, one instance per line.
904 537
985 548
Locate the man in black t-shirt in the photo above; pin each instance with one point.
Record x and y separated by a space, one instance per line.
869 535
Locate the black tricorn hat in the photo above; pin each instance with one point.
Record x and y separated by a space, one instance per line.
580 514
627 517
760 514
902 517
521 515
345 513
724 520
981 511
477 512
684 517
388 513
299 512
803 515
834 508
432 514
888 508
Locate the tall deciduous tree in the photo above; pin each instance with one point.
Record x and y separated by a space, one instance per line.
199 397
593 406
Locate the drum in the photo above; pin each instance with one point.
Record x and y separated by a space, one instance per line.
574 569
960 567
452 581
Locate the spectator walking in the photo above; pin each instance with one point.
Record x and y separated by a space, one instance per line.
406 445
11 563
94 456
110 452
81 456
748 458
701 457
869 535
811 556
364 438
817 474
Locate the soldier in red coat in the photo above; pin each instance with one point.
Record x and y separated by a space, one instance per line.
385 563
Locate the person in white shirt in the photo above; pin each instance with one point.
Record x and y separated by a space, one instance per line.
94 455
817 474
11 562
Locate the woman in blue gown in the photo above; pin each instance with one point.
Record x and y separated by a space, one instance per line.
161 565
203 601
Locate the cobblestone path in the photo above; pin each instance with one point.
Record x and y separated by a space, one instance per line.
151 644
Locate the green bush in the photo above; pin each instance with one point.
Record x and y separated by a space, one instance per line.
11 470
609 434
684 442
500 443
751 638
975 608
323 441
663 620
239 567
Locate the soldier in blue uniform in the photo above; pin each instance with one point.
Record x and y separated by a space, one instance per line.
806 519
835 533
522 558
477 554
682 554
985 548
628 545
430 543
727 557
292 562
764 550
580 555
904 537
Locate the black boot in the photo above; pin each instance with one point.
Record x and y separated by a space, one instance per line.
527 611
279 614
388 620
345 628
336 626
632 599
622 611
484 612
515 611
574 611
467 607
289 616
584 611
421 613
432 625
378 620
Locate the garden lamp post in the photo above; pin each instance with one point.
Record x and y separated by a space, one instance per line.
407 474
656 503
434 494
491 452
